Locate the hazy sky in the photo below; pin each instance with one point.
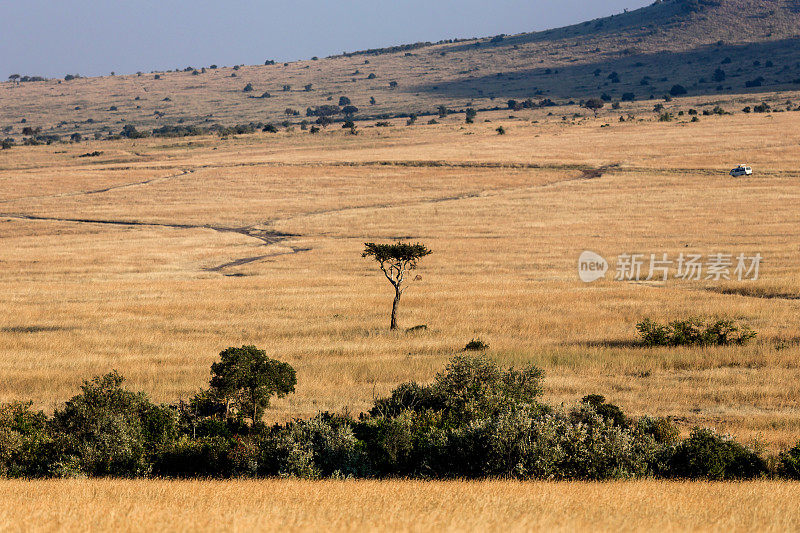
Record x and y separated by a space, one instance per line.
92 37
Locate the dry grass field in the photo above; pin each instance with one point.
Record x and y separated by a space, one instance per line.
286 505
156 255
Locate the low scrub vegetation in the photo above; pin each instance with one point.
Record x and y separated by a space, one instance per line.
475 420
694 332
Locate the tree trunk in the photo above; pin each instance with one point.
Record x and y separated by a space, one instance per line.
395 305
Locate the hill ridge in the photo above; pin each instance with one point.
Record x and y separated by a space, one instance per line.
702 47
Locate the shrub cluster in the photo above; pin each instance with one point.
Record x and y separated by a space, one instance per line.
694 332
475 420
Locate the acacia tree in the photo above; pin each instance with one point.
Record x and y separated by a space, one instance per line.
595 104
245 378
396 261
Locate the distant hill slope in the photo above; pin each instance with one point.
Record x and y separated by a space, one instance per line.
705 46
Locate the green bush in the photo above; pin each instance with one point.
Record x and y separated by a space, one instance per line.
109 430
529 444
194 457
707 455
404 445
323 446
608 411
789 463
476 345
694 332
26 448
475 420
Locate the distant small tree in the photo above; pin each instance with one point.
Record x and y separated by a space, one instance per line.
349 110
595 104
344 101
678 90
324 121
393 84
396 261
308 87
129 131
248 88
719 75
443 111
14 78
372 100
245 379
471 114
371 76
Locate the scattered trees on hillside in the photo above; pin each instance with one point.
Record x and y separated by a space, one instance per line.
396 261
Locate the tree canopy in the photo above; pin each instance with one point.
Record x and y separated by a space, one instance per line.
245 378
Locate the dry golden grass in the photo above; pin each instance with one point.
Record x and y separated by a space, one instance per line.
507 217
286 505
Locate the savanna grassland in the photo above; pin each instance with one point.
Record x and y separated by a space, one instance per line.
157 254
294 505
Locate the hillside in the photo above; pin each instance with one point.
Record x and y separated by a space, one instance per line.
640 54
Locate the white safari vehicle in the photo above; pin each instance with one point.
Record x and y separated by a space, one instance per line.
741 170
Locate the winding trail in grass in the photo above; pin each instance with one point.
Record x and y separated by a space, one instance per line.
273 237
157 179
266 236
